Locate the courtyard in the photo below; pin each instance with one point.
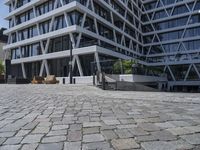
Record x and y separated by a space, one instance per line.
80 117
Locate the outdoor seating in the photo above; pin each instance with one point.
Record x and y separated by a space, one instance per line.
51 79
37 80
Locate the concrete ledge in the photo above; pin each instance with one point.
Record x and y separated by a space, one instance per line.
78 80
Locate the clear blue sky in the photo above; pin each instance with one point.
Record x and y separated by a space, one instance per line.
3 14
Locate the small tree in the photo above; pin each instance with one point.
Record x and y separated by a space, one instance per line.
1 68
126 65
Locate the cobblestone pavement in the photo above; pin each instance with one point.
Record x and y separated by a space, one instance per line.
56 117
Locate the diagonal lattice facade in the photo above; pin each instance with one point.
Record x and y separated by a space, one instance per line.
171 38
104 29
163 34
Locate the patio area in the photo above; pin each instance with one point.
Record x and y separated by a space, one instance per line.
80 117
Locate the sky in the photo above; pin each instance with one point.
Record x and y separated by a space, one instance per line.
3 14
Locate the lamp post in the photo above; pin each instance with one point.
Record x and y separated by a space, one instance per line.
70 64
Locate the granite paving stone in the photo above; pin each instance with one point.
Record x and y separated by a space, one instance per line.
74 136
60 127
57 132
91 124
10 147
2 140
138 131
121 144
13 141
149 127
180 131
53 139
6 134
29 146
93 138
165 125
158 145
23 132
123 133
72 146
111 122
164 135
96 146
32 138
192 139
40 130
84 117
51 146
109 134
91 130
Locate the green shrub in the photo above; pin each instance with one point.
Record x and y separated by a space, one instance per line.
1 68
126 66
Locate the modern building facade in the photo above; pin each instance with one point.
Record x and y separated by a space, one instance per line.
163 34
3 42
172 39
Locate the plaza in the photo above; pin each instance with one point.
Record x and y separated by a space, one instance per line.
83 117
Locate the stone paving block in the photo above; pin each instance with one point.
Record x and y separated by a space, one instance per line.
22 132
83 119
193 129
107 127
52 146
74 136
57 132
75 127
165 125
91 124
13 140
111 122
40 130
72 146
93 138
29 147
2 140
109 134
121 144
127 121
149 127
10 147
192 139
158 145
182 145
30 126
91 130
146 138
127 126
32 138
180 131
180 123
60 127
44 124
53 139
96 146
164 135
6 134
123 133
138 131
